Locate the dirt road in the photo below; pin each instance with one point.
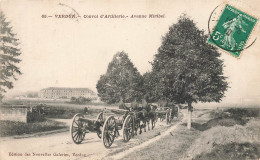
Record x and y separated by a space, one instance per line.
60 146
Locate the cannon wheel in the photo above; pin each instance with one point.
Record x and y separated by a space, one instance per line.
109 131
128 128
77 129
100 118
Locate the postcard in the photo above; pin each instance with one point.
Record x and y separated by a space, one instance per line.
131 79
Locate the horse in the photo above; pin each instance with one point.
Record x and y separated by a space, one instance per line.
140 118
174 110
161 114
143 119
149 114
152 116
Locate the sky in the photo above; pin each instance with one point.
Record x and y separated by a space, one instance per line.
58 52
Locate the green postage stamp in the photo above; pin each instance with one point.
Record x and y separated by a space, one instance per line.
232 30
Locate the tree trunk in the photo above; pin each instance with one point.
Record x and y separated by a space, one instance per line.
190 109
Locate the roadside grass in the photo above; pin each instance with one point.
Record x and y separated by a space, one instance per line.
212 140
236 113
237 151
215 122
203 113
145 136
170 147
228 118
231 134
10 128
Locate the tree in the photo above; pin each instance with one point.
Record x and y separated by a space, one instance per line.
150 89
32 94
121 81
9 52
80 100
188 69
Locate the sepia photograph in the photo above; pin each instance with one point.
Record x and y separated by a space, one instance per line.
129 80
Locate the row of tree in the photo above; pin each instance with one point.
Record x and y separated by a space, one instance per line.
186 69
80 100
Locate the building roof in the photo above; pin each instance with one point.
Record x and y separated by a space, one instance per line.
67 88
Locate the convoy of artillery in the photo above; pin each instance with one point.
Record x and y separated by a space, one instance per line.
128 119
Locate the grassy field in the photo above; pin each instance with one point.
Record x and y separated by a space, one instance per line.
10 128
63 110
68 111
61 103
56 110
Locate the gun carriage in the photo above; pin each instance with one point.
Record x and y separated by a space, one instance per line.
164 113
106 125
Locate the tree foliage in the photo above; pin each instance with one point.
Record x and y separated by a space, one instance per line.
80 100
9 51
122 80
186 69
152 93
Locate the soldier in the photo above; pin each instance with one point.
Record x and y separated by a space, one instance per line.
145 105
121 104
174 108
134 105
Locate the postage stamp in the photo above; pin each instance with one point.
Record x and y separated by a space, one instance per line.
232 30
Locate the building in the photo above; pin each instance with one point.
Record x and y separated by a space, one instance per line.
66 93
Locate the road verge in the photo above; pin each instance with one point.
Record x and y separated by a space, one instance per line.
147 143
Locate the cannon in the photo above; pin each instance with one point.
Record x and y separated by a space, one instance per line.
164 113
106 125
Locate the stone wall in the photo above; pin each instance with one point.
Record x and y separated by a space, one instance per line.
14 114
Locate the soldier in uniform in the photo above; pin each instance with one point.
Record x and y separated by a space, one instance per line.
121 104
134 105
145 105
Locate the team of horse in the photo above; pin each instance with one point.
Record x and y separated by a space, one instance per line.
145 114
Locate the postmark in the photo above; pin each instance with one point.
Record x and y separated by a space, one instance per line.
232 30
69 12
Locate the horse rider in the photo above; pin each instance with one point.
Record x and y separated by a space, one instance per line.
135 105
145 105
122 104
